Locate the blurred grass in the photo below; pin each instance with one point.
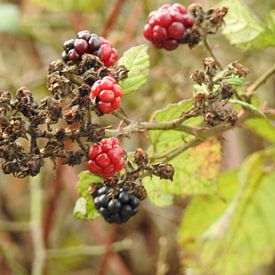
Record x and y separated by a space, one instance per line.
32 33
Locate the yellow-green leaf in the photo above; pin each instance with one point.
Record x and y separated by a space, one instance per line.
136 60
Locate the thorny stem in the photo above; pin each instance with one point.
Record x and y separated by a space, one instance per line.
174 153
36 225
212 54
261 80
120 115
142 126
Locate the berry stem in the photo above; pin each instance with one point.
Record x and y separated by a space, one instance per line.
174 153
120 115
260 81
212 54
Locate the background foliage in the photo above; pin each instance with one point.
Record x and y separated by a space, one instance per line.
215 218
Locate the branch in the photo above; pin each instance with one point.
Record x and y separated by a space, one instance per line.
142 126
212 54
261 80
174 153
95 250
36 225
14 226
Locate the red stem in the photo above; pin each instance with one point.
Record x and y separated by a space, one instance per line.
113 17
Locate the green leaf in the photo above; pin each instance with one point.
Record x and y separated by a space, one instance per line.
167 140
86 178
136 60
235 231
156 191
9 18
261 127
195 168
248 106
85 210
245 30
241 25
68 5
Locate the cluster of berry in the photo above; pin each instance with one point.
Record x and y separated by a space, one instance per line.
116 205
90 43
106 158
107 94
166 26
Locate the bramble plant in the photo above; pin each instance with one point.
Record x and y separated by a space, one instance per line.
91 81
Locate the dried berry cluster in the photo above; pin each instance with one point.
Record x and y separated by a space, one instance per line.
211 101
31 131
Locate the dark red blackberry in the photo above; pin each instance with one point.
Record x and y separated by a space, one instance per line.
68 45
84 35
94 43
89 43
166 26
81 46
116 205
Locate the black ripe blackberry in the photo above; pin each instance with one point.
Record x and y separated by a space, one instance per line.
116 205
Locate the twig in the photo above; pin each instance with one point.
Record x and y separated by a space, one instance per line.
162 266
95 250
212 54
142 126
174 153
15 267
121 116
36 225
14 226
261 80
111 238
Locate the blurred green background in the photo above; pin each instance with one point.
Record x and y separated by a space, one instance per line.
31 36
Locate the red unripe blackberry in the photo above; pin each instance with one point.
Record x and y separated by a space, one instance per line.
166 26
107 94
189 20
107 53
106 158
